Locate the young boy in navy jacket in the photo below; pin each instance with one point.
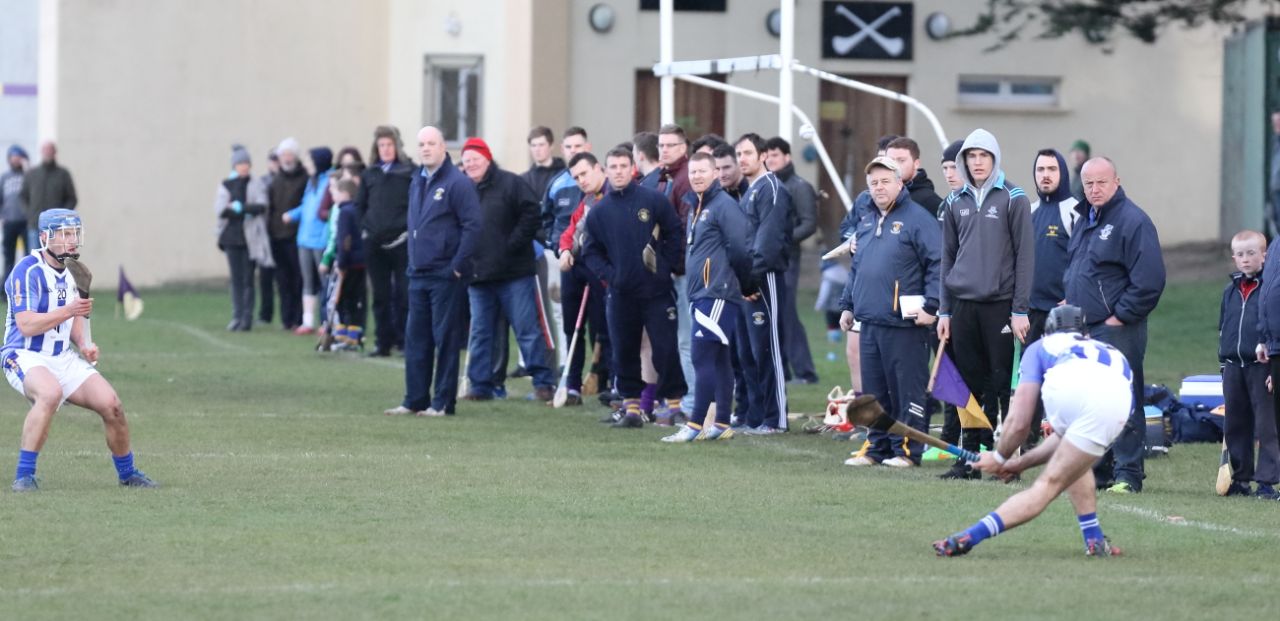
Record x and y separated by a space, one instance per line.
1250 413
350 259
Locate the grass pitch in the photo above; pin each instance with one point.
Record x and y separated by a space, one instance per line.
287 494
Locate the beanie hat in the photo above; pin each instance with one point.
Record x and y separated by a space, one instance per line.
952 151
288 144
239 155
1081 145
479 146
18 151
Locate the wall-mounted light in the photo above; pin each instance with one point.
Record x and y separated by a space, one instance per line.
452 25
601 18
773 22
937 25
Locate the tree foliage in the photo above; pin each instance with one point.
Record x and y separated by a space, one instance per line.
1099 21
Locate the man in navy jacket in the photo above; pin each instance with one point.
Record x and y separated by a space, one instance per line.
1116 275
634 245
444 222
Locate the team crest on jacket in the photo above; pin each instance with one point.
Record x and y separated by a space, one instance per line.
1051 231
757 318
895 228
671 313
993 213
643 214
964 213
439 193
1105 233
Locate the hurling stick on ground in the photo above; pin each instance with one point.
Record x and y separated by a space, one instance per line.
865 411
84 278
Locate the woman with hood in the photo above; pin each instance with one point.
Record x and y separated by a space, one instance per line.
313 235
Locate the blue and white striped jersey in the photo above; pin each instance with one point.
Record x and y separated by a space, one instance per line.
1065 347
35 286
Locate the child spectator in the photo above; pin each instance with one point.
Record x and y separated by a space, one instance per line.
350 263
1250 412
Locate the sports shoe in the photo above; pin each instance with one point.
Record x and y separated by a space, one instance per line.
685 434
762 430
474 396
1239 488
519 371
859 460
712 433
499 392
662 418
542 394
962 472
614 416
429 412
1266 492
955 545
629 421
1122 488
304 330
1101 548
573 398
137 479
26 484
898 462
399 410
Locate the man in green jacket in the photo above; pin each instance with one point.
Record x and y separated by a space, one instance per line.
47 186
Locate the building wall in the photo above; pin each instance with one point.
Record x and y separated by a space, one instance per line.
151 94
18 53
1155 109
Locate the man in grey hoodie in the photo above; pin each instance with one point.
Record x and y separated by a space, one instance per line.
988 261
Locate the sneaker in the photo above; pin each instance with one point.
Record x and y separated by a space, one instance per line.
379 353
1239 488
955 545
961 471
137 479
662 418
686 434
472 396
1101 548
898 462
629 421
519 371
542 394
859 460
499 392
573 398
304 330
399 410
1266 492
26 484
1122 488
613 417
714 432
762 430
429 412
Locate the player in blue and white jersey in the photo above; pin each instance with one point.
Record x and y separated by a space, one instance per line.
1087 396
46 318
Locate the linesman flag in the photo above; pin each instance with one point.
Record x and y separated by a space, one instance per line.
127 298
949 386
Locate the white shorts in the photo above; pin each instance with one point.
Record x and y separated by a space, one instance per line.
1087 404
68 367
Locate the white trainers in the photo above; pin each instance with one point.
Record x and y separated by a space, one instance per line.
898 462
686 434
399 410
859 460
429 412
712 433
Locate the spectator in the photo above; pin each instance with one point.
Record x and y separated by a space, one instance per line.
265 266
504 283
558 206
350 262
545 166
906 152
240 196
950 418
313 235
896 259
1274 184
1079 154
1116 275
797 361
589 175
729 174
383 202
988 260
707 143
285 193
47 186
644 147
11 210
673 181
444 210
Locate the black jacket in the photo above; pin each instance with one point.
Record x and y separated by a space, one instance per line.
922 192
718 262
508 223
619 228
47 186
1238 321
1053 241
539 177
383 201
284 194
768 207
804 206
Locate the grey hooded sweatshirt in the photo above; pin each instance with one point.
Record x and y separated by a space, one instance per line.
988 244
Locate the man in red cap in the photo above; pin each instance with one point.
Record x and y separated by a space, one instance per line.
504 284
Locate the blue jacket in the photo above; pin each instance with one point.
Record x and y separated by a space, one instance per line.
1269 297
620 227
558 206
862 205
1238 322
899 254
1053 240
1116 266
313 233
349 244
768 207
718 259
444 222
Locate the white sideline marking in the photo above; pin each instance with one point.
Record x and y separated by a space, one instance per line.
1206 526
263 456
201 335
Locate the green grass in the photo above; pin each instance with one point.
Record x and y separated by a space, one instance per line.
288 495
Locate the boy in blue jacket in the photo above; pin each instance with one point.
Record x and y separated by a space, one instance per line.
350 260
1250 415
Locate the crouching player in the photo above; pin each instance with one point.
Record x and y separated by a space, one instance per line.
719 267
45 318
1087 396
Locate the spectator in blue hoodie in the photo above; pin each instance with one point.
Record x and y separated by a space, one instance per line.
313 235
444 224
1116 275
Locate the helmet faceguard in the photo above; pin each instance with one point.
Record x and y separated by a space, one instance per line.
61 233
1065 318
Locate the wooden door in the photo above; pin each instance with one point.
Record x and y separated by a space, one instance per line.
699 110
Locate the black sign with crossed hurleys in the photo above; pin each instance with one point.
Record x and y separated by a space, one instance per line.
867 30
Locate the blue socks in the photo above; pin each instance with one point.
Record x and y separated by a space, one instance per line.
989 526
1089 527
26 464
124 465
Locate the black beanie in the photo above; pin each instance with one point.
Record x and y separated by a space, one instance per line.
952 151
